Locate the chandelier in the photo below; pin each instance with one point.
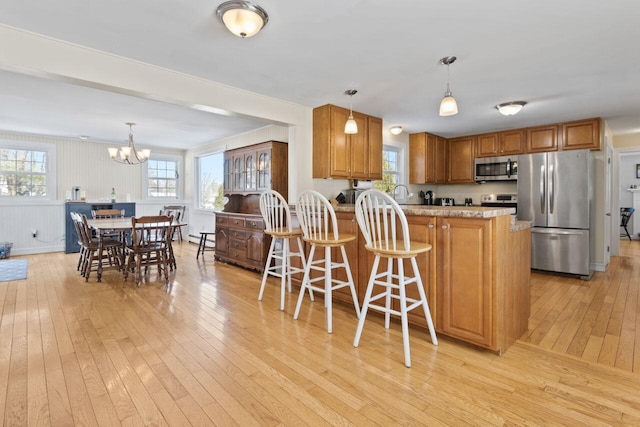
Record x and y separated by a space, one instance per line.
129 155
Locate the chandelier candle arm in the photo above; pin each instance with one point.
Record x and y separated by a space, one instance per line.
129 154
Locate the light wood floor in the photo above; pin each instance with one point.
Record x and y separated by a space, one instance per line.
597 320
205 352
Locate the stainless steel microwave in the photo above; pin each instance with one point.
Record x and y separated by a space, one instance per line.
496 169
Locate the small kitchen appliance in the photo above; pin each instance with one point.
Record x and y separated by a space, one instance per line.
496 169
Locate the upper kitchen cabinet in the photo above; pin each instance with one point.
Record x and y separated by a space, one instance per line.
427 159
347 156
542 139
461 155
581 134
259 167
504 143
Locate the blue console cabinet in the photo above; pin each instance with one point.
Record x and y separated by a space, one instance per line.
71 238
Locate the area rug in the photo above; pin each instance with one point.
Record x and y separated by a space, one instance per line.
13 269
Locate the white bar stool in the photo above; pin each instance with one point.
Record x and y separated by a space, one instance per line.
277 220
320 228
386 232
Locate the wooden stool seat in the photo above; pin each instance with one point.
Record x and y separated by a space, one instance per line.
414 249
202 245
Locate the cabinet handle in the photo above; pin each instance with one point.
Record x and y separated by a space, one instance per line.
430 225
444 227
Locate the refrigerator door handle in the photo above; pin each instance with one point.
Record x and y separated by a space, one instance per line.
551 188
555 231
542 189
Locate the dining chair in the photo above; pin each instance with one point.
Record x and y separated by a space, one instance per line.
97 250
320 229
277 219
76 219
625 216
150 243
386 232
177 212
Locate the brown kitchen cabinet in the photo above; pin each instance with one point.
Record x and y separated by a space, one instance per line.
581 134
464 298
423 229
476 276
427 159
347 156
541 139
461 155
503 143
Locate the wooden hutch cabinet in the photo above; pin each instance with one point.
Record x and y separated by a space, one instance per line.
348 156
248 171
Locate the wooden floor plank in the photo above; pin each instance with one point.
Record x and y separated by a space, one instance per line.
204 351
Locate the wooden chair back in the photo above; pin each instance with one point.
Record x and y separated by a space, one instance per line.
625 216
107 213
382 222
275 212
150 233
176 211
316 216
77 225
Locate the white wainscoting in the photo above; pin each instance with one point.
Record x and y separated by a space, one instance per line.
18 221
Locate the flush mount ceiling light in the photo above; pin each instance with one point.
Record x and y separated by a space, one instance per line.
395 130
448 105
351 126
242 18
129 155
510 108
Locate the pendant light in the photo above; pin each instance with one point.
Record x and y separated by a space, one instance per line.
448 105
351 126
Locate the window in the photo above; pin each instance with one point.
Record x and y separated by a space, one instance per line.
210 181
390 169
28 171
162 177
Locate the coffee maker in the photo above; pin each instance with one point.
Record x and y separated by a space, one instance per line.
426 197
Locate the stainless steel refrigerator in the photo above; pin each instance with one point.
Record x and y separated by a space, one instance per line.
554 191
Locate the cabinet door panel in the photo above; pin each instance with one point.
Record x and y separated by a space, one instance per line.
461 160
417 158
464 279
581 134
359 147
375 148
340 150
222 241
512 142
442 160
487 145
541 139
422 229
255 248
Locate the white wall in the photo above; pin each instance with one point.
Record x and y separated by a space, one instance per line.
628 162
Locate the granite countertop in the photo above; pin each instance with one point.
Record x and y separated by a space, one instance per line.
446 211
454 211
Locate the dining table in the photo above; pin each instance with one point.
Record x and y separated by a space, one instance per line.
121 226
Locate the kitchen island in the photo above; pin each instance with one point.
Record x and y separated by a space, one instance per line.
476 276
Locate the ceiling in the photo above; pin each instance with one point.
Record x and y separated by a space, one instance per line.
568 60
